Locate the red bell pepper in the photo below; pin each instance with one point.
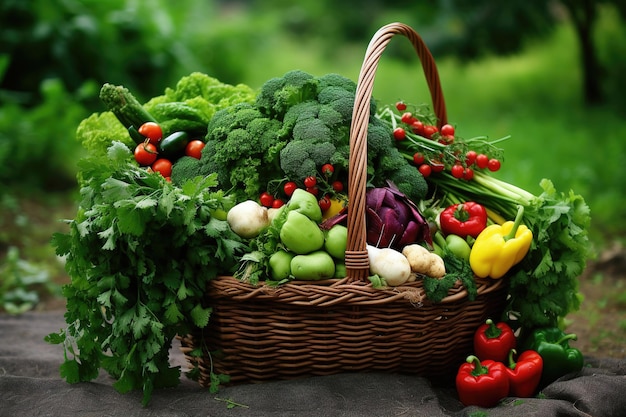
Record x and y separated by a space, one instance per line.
494 341
524 376
482 383
463 219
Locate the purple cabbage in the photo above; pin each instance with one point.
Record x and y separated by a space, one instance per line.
393 220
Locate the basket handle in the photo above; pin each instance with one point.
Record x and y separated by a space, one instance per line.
357 262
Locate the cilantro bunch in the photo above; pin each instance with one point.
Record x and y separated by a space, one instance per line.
140 253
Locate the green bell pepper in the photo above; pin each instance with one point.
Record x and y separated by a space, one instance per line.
559 358
313 266
306 203
301 234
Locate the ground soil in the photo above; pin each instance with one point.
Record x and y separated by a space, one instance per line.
600 323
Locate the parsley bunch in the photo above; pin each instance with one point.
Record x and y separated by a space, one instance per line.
139 253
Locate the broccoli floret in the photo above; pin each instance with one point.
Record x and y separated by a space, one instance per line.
300 158
187 167
278 95
393 166
337 80
242 148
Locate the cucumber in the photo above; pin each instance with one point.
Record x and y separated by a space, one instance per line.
173 146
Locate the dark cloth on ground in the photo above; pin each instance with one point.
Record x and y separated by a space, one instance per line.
30 385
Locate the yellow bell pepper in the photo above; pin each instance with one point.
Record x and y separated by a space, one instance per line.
499 247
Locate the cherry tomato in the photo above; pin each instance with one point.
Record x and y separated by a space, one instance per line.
417 127
194 148
399 133
401 106
437 166
418 158
468 174
145 154
470 158
266 199
278 203
313 190
447 130
429 131
425 170
493 164
457 171
164 166
152 131
289 188
482 161
327 170
407 118
337 186
446 139
324 203
310 181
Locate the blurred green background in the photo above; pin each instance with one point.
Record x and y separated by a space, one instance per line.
548 73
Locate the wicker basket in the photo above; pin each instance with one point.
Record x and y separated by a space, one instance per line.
327 327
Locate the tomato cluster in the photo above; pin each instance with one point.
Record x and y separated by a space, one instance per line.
147 153
448 151
323 185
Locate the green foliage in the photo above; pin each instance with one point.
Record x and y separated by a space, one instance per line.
21 283
37 146
139 253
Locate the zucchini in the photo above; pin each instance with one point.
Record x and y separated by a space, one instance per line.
173 146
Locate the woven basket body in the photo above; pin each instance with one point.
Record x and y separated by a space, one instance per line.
326 327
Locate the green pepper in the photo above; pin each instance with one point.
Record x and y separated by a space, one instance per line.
306 203
280 265
559 358
313 266
301 234
336 241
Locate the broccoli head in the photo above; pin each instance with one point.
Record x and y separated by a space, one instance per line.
279 94
393 166
186 168
300 159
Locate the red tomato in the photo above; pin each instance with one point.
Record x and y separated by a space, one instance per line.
429 131
145 154
310 182
338 186
324 203
266 199
418 158
417 127
399 133
482 161
313 190
470 157
152 131
401 106
425 170
327 170
447 130
278 203
437 166
164 166
289 188
493 164
446 139
407 118
194 148
468 174
457 171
